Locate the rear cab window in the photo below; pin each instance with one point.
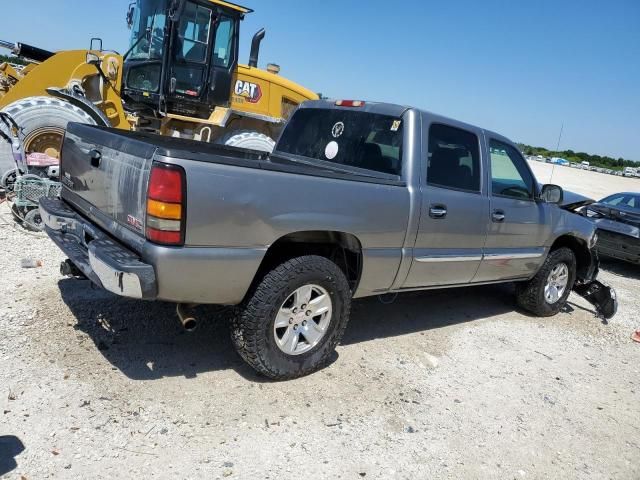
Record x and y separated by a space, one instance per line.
346 137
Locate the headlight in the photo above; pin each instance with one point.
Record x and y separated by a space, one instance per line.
593 214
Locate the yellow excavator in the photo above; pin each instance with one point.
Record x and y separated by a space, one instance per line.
179 77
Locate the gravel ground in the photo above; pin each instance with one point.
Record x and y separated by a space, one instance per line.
450 384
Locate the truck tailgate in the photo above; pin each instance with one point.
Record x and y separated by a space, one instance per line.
108 171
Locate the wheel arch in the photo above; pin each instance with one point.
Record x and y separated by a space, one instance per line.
82 103
342 248
580 249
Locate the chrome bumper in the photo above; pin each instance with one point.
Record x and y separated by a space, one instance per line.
102 260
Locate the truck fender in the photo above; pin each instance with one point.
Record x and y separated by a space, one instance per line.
82 103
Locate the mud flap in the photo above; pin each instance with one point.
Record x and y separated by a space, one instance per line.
601 296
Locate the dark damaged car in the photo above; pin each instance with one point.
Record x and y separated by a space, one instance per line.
617 218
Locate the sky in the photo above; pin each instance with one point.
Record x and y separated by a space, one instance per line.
521 68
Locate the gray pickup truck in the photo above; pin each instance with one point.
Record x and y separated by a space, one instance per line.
357 199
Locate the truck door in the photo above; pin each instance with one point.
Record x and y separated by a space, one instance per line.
454 209
519 224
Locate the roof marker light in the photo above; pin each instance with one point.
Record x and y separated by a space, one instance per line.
349 103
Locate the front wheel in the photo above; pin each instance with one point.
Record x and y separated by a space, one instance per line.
295 318
547 293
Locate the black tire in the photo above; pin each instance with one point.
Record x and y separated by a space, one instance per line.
33 221
39 114
252 331
531 295
250 140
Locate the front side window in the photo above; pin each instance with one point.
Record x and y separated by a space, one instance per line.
351 138
193 33
454 158
223 46
149 16
509 174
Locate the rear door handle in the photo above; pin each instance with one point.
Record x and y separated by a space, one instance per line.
438 211
96 158
498 216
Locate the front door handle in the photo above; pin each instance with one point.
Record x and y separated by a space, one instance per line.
498 216
438 211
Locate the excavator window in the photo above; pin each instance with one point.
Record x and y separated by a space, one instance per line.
194 33
148 15
223 45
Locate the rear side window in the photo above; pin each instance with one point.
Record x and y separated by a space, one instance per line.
346 137
454 158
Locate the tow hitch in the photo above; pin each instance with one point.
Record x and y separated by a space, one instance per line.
601 296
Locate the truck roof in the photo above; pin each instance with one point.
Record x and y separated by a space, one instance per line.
396 110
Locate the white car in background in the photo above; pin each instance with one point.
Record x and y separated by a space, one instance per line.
630 172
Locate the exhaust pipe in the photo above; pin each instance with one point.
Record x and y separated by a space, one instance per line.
27 51
188 321
255 47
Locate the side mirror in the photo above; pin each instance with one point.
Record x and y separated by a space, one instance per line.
130 13
93 59
552 194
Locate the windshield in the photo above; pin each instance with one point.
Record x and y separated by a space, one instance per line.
149 14
346 137
628 200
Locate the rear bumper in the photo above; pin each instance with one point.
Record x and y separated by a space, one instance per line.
105 262
209 275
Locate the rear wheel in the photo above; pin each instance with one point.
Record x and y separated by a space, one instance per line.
546 294
43 121
296 316
250 140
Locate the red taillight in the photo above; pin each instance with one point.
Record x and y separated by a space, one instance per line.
165 184
166 238
350 103
166 205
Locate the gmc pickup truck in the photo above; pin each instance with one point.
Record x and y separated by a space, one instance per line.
357 199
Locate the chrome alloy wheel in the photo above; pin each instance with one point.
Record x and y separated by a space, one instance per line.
303 320
556 284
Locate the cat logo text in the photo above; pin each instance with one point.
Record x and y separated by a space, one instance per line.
251 92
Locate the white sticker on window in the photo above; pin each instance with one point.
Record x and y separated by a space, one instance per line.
396 125
331 151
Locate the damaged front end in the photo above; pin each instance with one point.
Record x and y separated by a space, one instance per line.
600 295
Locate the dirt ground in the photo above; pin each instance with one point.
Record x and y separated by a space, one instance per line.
443 384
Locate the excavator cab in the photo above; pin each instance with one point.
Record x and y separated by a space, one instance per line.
183 55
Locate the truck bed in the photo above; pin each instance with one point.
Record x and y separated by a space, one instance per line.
238 203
